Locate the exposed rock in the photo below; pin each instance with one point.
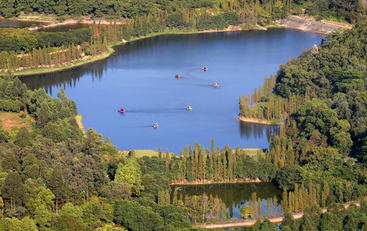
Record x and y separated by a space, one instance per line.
312 25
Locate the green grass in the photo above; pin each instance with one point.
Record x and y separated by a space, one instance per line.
252 151
141 153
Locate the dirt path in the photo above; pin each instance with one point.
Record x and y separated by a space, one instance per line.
251 222
311 25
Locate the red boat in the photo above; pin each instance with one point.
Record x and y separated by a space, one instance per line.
155 125
177 76
121 110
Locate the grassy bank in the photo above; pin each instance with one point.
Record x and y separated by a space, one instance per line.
43 70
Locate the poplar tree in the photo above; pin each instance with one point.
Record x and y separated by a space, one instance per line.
285 204
160 155
168 160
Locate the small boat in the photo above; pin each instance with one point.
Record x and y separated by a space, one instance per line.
216 85
121 110
204 68
189 108
155 125
177 76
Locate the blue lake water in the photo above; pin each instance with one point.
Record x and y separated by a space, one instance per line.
140 77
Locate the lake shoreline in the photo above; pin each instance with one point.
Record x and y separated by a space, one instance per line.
303 23
110 50
284 23
257 121
210 182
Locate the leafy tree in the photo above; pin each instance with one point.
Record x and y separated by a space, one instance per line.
134 216
288 176
42 216
288 221
130 174
246 212
23 138
13 190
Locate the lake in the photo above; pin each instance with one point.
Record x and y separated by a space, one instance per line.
19 24
140 77
235 196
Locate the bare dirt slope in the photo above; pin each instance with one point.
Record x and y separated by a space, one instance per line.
311 25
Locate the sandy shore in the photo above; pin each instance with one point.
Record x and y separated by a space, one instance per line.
250 222
255 121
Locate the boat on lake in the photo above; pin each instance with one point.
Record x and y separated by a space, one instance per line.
204 69
121 110
189 108
155 125
216 85
177 76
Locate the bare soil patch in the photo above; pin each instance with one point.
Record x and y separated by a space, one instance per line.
310 24
12 122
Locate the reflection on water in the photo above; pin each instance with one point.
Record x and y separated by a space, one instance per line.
235 196
140 77
65 79
18 24
257 131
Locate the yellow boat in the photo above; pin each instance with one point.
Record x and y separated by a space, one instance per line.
189 108
216 85
177 76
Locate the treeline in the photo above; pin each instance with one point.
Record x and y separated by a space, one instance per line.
350 11
250 9
337 217
202 164
320 151
60 52
21 40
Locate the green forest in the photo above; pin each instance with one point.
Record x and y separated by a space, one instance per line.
320 150
54 176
